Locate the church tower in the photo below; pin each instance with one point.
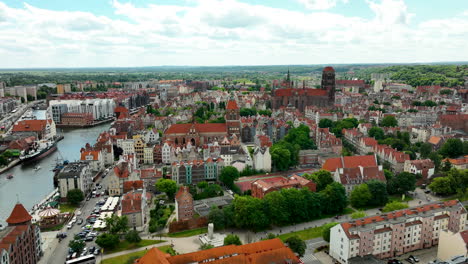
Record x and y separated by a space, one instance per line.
232 118
328 83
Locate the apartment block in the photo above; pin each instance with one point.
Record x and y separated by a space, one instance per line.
396 233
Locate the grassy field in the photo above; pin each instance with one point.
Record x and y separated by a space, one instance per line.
189 233
129 258
397 198
67 208
125 245
310 233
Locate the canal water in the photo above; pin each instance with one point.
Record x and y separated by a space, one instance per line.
29 186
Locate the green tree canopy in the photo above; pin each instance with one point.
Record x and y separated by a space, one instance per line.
322 179
117 224
360 196
232 240
335 198
228 175
249 213
425 149
297 245
216 216
325 122
442 185
402 183
107 241
378 191
132 236
168 186
75 196
452 148
326 230
389 121
393 206
358 214
377 133
76 245
280 157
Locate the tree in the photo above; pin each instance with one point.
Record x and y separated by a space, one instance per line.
232 240
117 224
436 158
168 186
442 185
393 206
402 183
322 179
77 245
459 179
378 191
277 208
389 121
206 246
358 214
228 175
216 216
377 133
360 196
280 157
325 122
132 236
249 213
425 149
202 185
465 147
326 230
297 245
335 198
107 241
75 196
452 148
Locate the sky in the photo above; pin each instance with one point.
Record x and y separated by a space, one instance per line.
136 33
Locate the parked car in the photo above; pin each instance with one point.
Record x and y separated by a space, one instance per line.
69 226
410 260
80 221
415 259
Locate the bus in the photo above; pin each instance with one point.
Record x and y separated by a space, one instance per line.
88 259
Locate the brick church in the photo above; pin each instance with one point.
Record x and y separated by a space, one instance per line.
199 134
288 95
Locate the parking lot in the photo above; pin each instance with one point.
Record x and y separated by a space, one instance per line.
425 256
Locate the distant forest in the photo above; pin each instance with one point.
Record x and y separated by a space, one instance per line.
450 75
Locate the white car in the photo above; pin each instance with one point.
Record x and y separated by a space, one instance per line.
78 213
69 226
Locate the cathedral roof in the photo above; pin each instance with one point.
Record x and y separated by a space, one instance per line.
306 92
328 69
18 215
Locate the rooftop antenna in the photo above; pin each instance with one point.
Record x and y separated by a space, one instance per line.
17 199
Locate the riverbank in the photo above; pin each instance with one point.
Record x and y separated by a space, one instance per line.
10 165
96 123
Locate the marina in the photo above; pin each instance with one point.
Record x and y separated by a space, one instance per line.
30 185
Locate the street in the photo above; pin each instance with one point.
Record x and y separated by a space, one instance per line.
55 251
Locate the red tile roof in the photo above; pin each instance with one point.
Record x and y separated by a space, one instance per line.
30 126
232 105
201 128
350 162
300 92
262 252
19 215
329 68
93 153
464 235
132 185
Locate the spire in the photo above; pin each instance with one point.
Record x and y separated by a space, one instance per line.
288 77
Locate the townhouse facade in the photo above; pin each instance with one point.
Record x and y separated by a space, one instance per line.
396 233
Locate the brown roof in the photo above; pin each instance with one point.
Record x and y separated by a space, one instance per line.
19 215
232 105
30 126
262 252
201 128
349 162
183 191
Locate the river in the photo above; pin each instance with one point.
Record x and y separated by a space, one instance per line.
29 186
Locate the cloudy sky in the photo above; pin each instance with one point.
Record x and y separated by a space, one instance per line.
119 33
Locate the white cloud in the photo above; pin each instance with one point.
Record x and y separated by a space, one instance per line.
223 32
321 4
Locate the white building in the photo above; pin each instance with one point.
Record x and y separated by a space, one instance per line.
127 145
75 175
100 108
152 136
166 153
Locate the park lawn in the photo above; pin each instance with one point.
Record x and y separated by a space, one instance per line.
189 233
128 258
307 234
397 198
67 208
125 245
